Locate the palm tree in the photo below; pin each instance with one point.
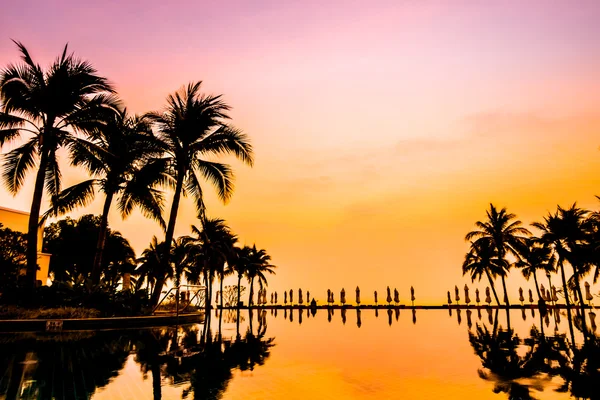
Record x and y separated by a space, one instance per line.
481 259
567 232
258 265
504 233
48 106
239 266
120 154
536 256
191 128
152 268
211 248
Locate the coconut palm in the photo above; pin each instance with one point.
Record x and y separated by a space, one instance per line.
210 249
120 155
259 263
481 259
192 128
151 266
536 256
46 108
567 232
503 232
239 266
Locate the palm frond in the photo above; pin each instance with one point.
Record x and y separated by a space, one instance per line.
17 163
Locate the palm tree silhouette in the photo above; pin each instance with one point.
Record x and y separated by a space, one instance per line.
152 268
536 256
47 105
567 232
503 232
191 128
259 263
121 155
481 259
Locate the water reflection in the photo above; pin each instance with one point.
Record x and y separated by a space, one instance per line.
539 354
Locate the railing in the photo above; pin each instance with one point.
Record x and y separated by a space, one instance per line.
198 290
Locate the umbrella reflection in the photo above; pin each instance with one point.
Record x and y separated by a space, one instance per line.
389 313
344 316
397 312
358 320
300 311
469 323
458 318
414 316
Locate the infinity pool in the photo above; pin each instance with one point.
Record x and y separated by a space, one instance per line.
365 354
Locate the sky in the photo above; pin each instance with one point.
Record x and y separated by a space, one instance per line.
382 130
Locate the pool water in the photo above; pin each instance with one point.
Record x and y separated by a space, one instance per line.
344 354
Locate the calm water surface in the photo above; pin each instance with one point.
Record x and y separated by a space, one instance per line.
347 355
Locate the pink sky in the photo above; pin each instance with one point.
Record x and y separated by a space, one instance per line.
381 130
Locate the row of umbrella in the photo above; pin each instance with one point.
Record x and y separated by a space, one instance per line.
550 295
288 297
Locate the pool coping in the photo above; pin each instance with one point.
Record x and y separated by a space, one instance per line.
58 324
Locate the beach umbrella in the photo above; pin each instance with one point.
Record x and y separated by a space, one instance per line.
396 296
477 300
530 296
328 296
456 294
375 296
272 298
588 295
332 299
307 296
488 299
543 292
389 312
521 298
469 323
414 312
554 296
449 298
357 296
593 320
412 295
389 296
291 296
284 297
343 296
358 320
275 297
344 316
467 299
300 300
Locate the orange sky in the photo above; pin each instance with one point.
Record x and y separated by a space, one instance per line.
381 132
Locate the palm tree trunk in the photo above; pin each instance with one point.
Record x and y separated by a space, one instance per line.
250 300
34 222
221 289
160 281
493 288
97 267
239 290
564 280
537 287
505 292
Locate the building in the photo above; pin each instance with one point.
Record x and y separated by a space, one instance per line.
19 221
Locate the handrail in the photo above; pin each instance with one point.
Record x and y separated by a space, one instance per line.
177 289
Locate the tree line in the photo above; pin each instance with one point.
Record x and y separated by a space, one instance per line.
131 159
567 243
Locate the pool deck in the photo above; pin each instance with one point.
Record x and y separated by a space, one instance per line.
59 325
